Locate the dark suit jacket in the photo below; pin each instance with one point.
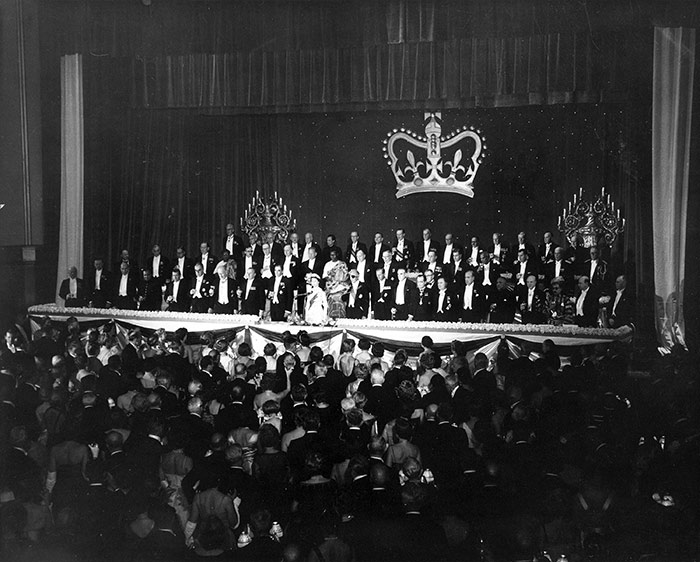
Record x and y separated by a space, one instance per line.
305 268
81 293
537 313
164 269
450 307
455 273
212 260
530 269
371 258
590 308
350 256
420 247
361 307
494 273
422 307
409 291
237 247
232 297
545 257
182 297
382 301
188 269
478 309
207 289
601 276
285 294
409 253
151 293
294 269
504 255
504 310
566 271
98 297
624 313
255 301
369 270
131 287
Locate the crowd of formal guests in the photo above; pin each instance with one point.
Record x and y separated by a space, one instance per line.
403 281
162 448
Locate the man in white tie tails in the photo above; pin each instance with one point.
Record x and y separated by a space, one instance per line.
72 290
225 298
621 307
471 301
586 304
280 296
201 291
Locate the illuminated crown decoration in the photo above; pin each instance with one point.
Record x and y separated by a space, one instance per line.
265 215
449 164
596 222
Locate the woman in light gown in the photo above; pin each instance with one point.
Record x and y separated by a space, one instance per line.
316 306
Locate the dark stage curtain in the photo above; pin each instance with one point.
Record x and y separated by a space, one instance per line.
542 69
174 177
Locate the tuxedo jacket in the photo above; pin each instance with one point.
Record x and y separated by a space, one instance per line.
80 292
350 256
590 308
255 301
150 295
529 250
450 258
164 269
530 269
236 246
408 257
369 270
455 272
131 286
381 301
566 270
504 254
210 264
105 279
241 268
206 290
409 291
478 308
230 288
277 251
601 276
374 259
468 255
307 268
361 307
537 313
294 268
494 273
420 250
187 271
543 256
450 307
285 294
624 313
302 247
182 298
438 268
503 303
422 306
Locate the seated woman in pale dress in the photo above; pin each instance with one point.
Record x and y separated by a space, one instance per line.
337 282
316 306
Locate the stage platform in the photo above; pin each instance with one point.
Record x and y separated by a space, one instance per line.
522 338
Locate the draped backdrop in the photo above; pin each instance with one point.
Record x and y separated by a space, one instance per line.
192 106
674 65
72 168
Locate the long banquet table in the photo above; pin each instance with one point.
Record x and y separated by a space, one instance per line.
521 338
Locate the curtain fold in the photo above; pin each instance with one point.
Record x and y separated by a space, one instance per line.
674 63
474 72
70 246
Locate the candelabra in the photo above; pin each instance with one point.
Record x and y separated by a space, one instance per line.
268 215
596 222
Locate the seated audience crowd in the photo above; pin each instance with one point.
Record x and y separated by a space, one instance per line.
162 448
425 281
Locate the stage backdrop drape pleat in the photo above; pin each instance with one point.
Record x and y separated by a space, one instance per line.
674 60
70 244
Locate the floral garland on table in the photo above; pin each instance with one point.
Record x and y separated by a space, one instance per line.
539 329
48 309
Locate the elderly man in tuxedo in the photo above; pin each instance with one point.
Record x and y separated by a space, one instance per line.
201 290
98 285
375 251
226 293
586 303
280 292
124 289
381 296
427 245
531 302
402 296
72 290
502 303
252 294
159 265
472 299
233 243
404 250
621 306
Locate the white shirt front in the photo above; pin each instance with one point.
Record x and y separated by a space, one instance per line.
579 303
441 300
474 256
399 247
295 250
387 267
468 296
353 293
447 254
98 279
377 253
487 274
287 267
248 285
156 266
276 289
530 296
618 296
353 251
361 268
594 264
247 264
497 252
400 300
198 287
73 286
204 259
181 265
176 288
426 249
523 265
266 267
557 268
223 291
123 282
229 243
305 256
